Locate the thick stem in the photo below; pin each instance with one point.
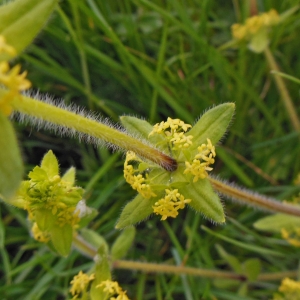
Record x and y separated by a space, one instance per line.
61 117
283 90
254 199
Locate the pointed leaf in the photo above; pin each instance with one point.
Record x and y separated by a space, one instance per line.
50 164
11 166
142 128
44 219
62 238
21 20
136 126
276 222
70 175
136 211
204 200
123 243
213 124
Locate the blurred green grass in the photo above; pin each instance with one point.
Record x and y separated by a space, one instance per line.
156 59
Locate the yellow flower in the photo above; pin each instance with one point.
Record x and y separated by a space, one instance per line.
170 204
80 284
256 30
138 182
39 235
289 290
11 79
292 236
112 288
201 162
173 126
254 24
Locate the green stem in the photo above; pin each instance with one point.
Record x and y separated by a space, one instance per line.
61 117
283 90
84 247
163 268
254 199
88 250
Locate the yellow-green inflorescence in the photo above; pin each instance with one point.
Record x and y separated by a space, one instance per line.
51 202
81 283
143 177
288 290
256 30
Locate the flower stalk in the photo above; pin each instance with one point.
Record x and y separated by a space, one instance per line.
80 244
254 199
286 98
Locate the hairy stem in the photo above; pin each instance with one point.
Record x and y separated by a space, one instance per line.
254 199
283 90
68 119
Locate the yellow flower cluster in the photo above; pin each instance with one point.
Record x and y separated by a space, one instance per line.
254 24
289 289
112 288
137 182
292 236
201 162
11 78
170 204
174 129
81 281
80 284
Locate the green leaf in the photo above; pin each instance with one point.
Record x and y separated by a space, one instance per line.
142 128
136 211
213 124
94 239
70 175
62 238
50 164
38 174
122 243
11 165
44 219
21 20
204 200
102 272
276 222
136 126
252 268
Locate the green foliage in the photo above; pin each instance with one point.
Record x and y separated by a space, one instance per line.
11 165
22 20
159 59
122 244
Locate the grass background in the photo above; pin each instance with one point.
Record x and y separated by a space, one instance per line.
156 59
